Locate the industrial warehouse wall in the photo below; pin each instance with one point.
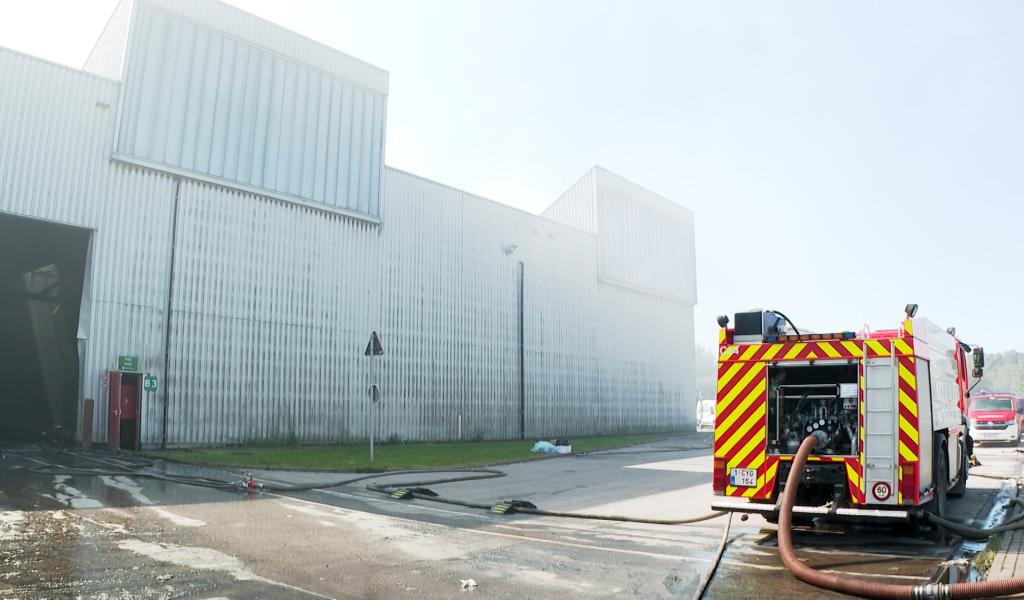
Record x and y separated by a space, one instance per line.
599 358
273 302
56 131
272 306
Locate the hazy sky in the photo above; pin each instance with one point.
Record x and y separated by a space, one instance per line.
842 159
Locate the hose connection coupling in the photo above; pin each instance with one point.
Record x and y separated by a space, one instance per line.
508 507
820 436
250 483
932 591
410 493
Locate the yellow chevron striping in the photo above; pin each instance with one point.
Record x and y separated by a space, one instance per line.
907 376
878 348
744 404
908 429
829 350
812 355
729 374
721 337
756 420
908 326
757 438
907 402
906 453
772 351
749 352
851 474
757 462
852 348
795 350
902 347
724 401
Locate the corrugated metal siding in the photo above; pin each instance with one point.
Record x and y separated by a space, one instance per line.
577 207
645 248
56 128
200 101
598 358
268 325
646 241
272 307
240 24
273 302
107 56
449 312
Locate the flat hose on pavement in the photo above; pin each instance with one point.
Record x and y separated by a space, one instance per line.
859 587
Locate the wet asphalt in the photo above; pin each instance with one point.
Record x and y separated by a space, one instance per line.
126 536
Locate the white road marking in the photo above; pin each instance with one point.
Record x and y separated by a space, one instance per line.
203 559
70 496
127 485
646 554
698 464
179 520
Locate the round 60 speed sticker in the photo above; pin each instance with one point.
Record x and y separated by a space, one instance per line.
881 490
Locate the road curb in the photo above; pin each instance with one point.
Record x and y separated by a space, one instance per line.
1008 561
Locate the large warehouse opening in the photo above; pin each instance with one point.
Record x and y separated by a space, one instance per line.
42 271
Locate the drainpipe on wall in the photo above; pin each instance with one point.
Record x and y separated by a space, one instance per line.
167 310
522 356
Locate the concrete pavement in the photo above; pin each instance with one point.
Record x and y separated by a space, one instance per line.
91 536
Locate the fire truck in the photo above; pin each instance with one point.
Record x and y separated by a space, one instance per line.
891 406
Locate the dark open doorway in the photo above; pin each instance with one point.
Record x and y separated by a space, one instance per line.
42 272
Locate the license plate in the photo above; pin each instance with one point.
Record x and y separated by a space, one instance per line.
743 477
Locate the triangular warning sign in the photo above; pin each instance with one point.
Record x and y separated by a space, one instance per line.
373 347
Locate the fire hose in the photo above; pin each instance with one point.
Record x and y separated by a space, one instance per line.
869 589
414 489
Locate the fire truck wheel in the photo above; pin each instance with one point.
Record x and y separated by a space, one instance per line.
941 474
961 478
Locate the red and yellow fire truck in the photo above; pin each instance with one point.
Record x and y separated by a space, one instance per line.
891 405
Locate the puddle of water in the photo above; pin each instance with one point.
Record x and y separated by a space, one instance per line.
71 496
960 568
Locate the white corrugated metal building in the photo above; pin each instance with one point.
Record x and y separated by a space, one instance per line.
209 195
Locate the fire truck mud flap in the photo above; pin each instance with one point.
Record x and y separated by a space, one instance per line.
729 505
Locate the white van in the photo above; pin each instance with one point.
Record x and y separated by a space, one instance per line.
706 415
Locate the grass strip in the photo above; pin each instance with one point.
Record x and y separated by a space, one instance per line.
389 456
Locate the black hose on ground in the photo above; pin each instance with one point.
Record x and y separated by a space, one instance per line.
111 467
706 580
975 533
140 468
392 487
597 517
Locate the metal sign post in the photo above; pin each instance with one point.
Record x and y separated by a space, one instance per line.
373 350
150 383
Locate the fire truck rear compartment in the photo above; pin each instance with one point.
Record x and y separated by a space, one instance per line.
807 398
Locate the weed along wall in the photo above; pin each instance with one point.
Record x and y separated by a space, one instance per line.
246 237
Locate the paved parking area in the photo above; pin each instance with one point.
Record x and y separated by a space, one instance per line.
90 536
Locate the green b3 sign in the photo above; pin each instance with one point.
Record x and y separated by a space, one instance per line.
127 363
149 383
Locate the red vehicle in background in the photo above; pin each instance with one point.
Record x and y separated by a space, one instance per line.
995 418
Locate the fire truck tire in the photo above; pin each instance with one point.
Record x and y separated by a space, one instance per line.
961 478
940 471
